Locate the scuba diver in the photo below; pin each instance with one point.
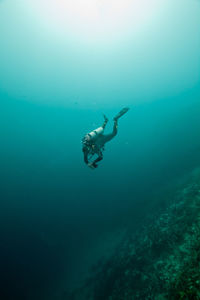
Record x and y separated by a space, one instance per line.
93 142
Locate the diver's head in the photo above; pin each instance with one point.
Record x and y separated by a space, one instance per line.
86 140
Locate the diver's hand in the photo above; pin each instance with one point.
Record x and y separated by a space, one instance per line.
91 166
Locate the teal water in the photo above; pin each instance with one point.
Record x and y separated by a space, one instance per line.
55 90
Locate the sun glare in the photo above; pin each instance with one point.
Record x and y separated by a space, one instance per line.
95 20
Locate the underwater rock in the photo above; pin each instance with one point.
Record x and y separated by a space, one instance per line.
161 260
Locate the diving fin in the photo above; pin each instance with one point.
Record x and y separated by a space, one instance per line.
121 113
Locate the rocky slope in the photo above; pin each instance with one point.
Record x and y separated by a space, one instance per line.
159 261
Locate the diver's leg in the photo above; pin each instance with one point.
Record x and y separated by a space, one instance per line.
108 137
115 126
105 121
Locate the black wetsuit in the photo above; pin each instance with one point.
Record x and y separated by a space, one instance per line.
97 146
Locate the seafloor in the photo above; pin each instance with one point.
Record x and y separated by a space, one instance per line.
159 260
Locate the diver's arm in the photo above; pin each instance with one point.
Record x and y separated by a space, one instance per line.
85 158
85 153
99 158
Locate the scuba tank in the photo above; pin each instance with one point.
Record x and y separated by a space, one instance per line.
90 137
